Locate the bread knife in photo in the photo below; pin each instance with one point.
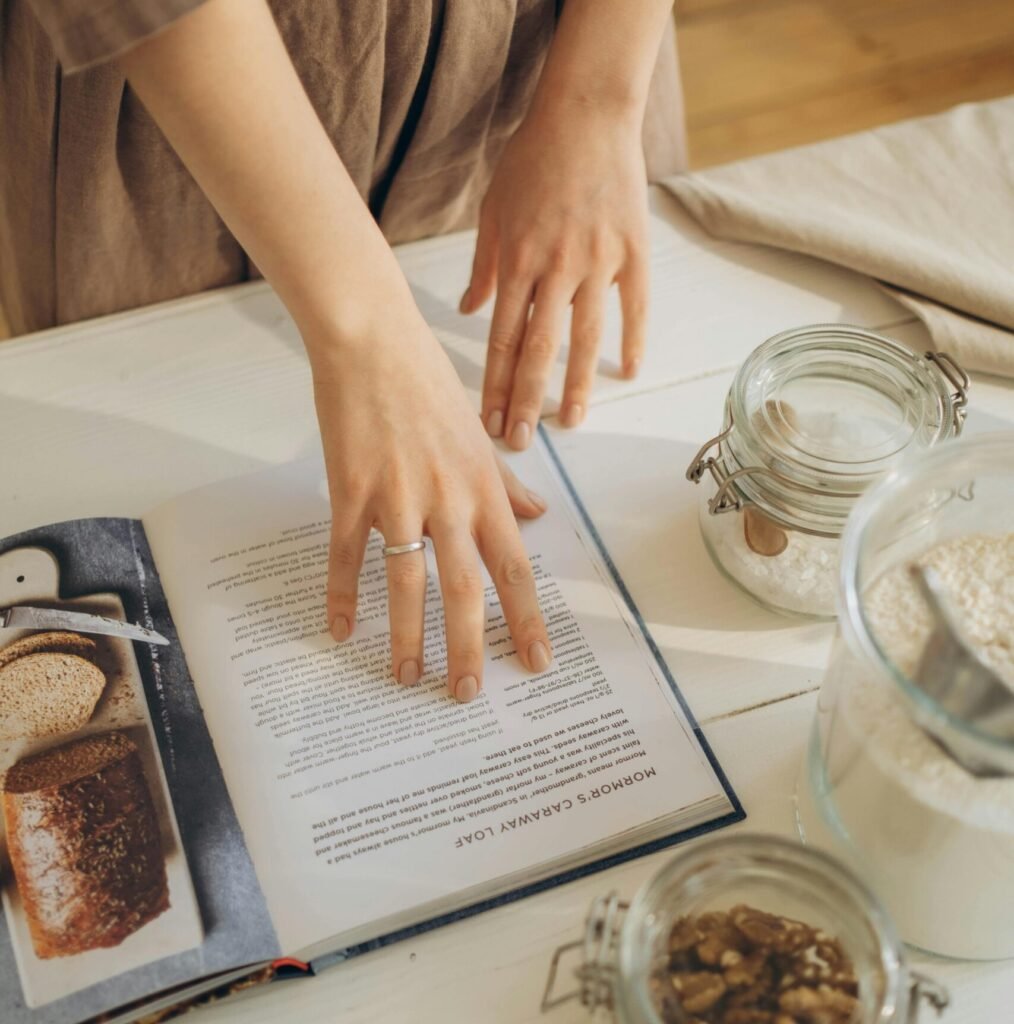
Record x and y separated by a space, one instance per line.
23 617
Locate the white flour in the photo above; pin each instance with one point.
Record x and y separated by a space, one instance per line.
936 842
978 574
802 579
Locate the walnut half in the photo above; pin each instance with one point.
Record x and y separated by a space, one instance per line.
748 966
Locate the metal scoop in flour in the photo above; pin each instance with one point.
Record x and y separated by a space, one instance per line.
965 687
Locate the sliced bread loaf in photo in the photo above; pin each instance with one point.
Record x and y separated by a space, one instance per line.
57 642
84 844
47 694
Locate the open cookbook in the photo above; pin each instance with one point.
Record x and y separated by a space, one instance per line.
178 817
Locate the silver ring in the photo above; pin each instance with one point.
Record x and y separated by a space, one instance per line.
403 549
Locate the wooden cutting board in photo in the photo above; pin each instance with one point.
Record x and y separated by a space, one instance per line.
74 724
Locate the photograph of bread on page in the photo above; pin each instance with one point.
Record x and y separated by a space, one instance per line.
91 850
254 797
99 899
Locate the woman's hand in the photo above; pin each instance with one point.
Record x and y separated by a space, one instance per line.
565 217
406 454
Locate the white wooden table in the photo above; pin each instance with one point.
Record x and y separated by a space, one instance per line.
111 416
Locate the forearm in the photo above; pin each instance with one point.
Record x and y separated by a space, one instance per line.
603 55
221 86
404 451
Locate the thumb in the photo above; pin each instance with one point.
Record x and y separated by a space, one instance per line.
484 264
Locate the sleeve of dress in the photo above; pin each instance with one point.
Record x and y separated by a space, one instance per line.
87 32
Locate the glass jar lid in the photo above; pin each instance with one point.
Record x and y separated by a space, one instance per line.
817 414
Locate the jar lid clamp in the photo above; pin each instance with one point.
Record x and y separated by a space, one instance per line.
728 498
958 379
595 972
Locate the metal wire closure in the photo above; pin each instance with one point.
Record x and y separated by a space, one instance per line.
958 379
597 969
727 498
723 500
926 990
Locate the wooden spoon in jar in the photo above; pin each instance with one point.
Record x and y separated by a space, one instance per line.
763 535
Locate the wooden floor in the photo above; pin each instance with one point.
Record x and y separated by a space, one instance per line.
761 75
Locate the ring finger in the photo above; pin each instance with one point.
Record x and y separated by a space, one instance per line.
406 604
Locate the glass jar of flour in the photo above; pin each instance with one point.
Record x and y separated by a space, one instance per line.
740 929
910 771
813 418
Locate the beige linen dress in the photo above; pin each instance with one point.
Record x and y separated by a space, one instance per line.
97 214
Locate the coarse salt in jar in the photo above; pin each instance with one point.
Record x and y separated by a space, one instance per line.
813 418
915 795
744 928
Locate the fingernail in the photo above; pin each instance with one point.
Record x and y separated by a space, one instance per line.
631 367
408 673
466 690
494 423
463 304
573 414
340 628
538 501
538 656
521 435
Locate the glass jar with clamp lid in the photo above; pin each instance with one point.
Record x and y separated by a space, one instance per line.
813 418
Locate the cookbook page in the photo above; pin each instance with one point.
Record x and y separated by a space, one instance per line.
123 870
361 799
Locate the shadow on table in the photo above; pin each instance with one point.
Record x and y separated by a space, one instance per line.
718 685
624 482
147 456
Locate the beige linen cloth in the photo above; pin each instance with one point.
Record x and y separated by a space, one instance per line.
925 206
97 214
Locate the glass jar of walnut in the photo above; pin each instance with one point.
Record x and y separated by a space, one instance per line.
745 930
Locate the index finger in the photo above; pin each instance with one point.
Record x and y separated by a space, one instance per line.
633 282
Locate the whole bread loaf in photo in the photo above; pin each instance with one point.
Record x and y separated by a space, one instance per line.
46 694
84 844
